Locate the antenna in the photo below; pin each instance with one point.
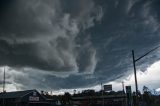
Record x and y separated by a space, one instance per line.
4 80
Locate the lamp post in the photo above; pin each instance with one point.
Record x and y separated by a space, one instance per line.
134 65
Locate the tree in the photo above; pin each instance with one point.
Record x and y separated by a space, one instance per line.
147 95
67 98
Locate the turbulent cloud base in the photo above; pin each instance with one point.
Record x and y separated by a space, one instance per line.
56 44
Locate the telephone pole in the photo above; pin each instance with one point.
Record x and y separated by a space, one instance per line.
4 78
135 72
102 90
134 66
123 86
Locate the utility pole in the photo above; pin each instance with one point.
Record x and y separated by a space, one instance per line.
123 86
134 65
4 78
135 72
102 89
4 85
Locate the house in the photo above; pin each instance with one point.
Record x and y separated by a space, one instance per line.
23 98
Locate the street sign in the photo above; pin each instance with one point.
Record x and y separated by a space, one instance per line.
107 87
128 89
129 95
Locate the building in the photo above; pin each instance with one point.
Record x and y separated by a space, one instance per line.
106 100
23 98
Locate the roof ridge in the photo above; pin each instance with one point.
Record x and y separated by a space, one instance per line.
16 93
22 91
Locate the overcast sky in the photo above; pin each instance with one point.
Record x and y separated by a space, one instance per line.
70 44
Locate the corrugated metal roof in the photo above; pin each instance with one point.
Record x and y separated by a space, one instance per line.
16 94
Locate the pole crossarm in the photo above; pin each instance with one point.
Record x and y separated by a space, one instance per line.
146 53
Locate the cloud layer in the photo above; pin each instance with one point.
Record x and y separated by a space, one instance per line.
55 44
42 34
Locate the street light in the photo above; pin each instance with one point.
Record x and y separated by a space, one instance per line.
134 65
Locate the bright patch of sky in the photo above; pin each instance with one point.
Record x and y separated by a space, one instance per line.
149 78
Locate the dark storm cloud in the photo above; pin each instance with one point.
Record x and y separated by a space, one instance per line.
42 35
71 44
